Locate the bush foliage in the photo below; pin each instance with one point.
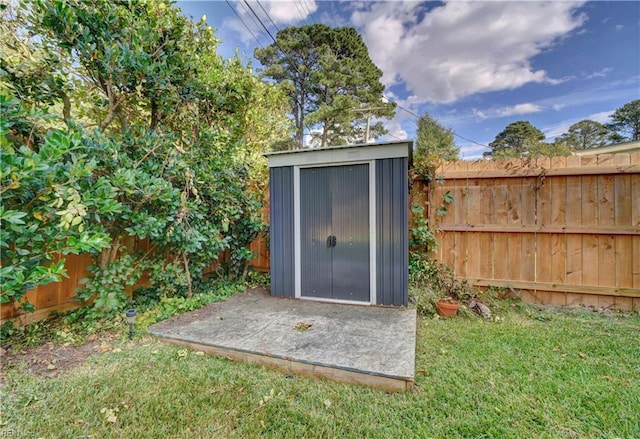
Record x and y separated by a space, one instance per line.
120 123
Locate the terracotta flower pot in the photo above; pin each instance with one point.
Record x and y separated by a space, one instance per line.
447 308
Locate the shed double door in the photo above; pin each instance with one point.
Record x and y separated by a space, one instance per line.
334 232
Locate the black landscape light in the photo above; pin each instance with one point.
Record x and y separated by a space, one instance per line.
131 319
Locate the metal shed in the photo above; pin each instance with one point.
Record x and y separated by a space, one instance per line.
339 223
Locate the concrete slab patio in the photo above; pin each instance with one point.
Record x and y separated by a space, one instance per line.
362 344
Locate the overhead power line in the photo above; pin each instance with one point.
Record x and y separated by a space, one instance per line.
452 131
394 136
268 16
266 29
255 17
243 23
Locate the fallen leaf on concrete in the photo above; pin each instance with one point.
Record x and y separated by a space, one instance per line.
303 326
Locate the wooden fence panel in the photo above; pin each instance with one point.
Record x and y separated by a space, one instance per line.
565 231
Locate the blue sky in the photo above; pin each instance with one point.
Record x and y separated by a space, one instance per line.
475 66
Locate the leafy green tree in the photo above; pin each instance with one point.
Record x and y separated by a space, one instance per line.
434 144
515 140
521 139
548 150
330 81
585 134
625 121
170 150
49 194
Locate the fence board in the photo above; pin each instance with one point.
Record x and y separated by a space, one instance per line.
447 248
486 254
501 255
590 260
574 260
622 200
528 191
636 263
460 263
515 255
543 263
588 198
544 202
502 208
473 255
528 257
623 262
460 196
558 200
558 258
485 202
606 261
573 202
606 196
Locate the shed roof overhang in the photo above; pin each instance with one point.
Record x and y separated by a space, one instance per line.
340 154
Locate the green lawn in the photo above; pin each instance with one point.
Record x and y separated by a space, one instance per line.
533 374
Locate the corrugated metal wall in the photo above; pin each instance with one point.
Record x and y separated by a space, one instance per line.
392 221
281 231
316 264
334 202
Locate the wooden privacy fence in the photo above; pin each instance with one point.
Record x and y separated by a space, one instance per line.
58 296
562 231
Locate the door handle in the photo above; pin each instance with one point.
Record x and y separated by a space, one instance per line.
331 241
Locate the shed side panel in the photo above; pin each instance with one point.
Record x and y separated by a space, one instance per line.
281 231
392 247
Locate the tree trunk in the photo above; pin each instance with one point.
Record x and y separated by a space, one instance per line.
154 114
66 108
300 133
187 273
109 254
325 132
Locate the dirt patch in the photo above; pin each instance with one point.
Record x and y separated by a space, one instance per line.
53 358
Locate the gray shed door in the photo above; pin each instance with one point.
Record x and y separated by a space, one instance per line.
334 232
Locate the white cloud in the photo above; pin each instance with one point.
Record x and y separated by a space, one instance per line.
395 132
462 48
470 152
602 117
236 27
279 11
289 12
558 107
600 73
480 114
555 130
519 109
514 110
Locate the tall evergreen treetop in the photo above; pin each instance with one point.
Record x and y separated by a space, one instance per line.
332 84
